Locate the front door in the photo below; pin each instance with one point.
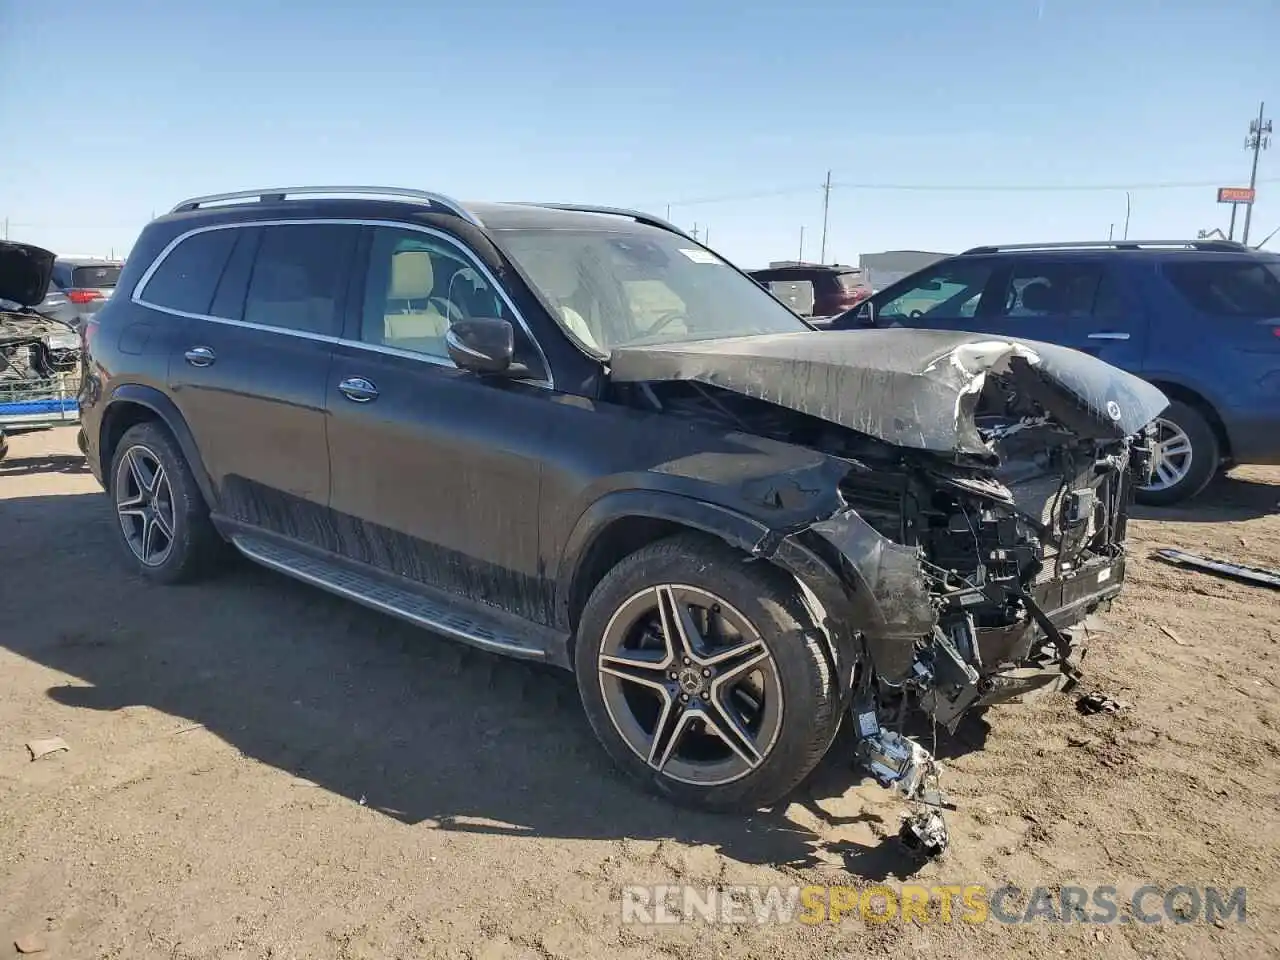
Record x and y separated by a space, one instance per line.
436 472
249 369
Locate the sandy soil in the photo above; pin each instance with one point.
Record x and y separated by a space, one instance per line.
257 769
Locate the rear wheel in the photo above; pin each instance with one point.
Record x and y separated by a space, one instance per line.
1186 457
704 675
162 517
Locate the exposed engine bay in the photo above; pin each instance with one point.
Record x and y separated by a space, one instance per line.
34 347
978 547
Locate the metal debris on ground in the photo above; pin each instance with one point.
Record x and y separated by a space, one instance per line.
1261 576
42 748
1098 702
1168 632
925 831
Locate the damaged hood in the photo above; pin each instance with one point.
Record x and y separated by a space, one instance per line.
25 272
910 388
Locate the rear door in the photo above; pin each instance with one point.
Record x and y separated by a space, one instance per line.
1083 303
249 366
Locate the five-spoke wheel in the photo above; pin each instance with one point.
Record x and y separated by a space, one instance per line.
705 675
144 504
163 519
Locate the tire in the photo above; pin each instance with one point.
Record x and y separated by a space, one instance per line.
1182 426
192 548
782 712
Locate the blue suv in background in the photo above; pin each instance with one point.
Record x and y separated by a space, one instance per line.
1200 320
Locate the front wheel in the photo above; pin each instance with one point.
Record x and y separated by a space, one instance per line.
1185 458
705 676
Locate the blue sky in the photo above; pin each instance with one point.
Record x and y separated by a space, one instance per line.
112 111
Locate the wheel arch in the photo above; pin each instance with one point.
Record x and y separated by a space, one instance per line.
131 404
1197 400
620 523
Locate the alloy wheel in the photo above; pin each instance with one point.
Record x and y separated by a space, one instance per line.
144 504
690 685
1171 457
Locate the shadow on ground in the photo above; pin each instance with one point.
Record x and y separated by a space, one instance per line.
1226 498
48 463
423 729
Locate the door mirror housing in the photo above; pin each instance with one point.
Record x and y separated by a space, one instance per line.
483 345
864 314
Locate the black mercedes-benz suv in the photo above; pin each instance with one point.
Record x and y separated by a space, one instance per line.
577 435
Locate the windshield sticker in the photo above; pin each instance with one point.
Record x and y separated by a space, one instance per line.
700 256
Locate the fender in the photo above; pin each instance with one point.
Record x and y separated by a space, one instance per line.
751 536
168 414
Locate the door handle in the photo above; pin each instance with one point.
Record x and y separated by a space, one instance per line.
200 356
358 389
1108 336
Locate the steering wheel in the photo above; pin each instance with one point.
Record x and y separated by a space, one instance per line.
915 314
664 321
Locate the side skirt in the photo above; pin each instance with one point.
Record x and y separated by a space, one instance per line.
459 619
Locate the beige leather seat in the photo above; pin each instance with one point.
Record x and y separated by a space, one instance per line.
557 279
409 314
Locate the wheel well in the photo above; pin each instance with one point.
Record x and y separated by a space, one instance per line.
1192 399
619 539
119 417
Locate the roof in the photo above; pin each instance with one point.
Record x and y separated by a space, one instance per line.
529 216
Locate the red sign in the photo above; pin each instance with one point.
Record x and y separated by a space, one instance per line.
1235 195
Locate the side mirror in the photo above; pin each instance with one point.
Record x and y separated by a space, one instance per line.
865 314
482 345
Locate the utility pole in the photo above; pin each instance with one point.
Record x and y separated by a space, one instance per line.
801 257
695 231
826 206
1111 232
1258 140
6 228
1128 205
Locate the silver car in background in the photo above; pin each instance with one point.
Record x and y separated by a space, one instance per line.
80 286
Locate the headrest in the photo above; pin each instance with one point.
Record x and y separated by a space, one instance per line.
411 276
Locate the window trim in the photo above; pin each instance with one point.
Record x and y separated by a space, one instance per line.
465 254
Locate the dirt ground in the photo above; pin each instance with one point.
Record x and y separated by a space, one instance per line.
257 769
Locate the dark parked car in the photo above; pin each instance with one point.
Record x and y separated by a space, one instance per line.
814 289
576 435
79 288
1200 320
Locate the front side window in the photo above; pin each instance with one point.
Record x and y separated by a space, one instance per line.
951 289
299 277
1051 289
1229 287
614 287
416 286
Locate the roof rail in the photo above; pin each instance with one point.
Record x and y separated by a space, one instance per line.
282 193
1224 245
637 215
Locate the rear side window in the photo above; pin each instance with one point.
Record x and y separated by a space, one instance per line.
1228 288
99 277
1054 289
299 277
187 277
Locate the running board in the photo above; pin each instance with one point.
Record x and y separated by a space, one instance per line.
499 632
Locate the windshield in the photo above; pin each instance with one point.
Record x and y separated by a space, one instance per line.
616 288
1229 288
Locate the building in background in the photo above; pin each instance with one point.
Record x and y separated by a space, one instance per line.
881 269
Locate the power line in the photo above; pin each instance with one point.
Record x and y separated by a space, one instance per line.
954 188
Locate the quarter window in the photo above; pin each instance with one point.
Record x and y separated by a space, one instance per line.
416 286
187 277
299 277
